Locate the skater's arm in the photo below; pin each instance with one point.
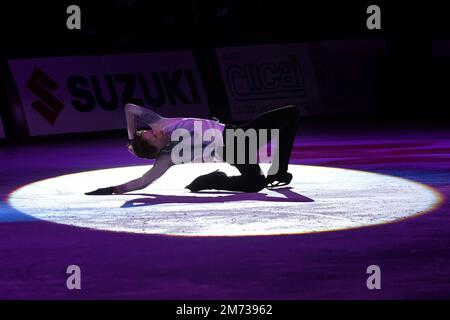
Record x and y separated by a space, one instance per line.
161 165
134 112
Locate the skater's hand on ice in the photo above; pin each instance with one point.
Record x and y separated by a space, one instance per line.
101 192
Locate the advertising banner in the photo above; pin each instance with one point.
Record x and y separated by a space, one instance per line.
346 73
263 77
318 77
88 93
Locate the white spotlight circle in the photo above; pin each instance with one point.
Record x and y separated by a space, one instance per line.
320 199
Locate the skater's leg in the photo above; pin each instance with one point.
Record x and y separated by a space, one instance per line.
286 121
284 148
273 119
250 180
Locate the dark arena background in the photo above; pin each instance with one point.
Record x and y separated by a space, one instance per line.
366 215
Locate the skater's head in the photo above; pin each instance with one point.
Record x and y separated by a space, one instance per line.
148 143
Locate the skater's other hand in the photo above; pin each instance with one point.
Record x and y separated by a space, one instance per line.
101 192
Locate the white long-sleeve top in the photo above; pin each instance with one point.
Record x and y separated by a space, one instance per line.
164 160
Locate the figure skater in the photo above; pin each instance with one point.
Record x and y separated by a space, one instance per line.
156 143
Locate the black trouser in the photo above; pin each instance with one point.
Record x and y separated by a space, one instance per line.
252 179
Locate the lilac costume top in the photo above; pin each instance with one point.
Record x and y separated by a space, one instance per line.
164 160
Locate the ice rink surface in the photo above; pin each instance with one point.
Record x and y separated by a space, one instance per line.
342 179
318 199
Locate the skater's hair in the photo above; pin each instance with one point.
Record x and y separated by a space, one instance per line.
141 148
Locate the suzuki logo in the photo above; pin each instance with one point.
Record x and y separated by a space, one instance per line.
41 85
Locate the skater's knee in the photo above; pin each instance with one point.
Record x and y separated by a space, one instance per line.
260 186
214 180
289 114
293 112
255 184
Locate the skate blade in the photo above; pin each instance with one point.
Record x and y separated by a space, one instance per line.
277 185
